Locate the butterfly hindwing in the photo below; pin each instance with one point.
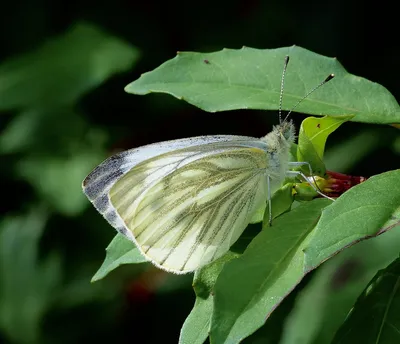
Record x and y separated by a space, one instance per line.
187 208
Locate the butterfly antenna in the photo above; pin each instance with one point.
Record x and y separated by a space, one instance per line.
282 87
328 78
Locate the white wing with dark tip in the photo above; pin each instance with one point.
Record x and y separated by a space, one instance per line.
183 202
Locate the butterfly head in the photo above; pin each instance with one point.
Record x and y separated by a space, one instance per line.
285 132
288 131
280 138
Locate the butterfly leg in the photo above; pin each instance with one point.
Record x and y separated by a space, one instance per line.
301 163
314 185
299 173
269 200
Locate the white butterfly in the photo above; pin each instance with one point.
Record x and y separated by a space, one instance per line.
185 202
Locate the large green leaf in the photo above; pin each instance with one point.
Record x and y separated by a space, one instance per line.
250 287
323 304
321 308
250 79
197 324
358 214
375 317
120 251
63 69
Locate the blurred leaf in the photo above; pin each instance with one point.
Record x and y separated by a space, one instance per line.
197 325
323 304
171 282
250 287
120 251
337 158
77 291
62 148
63 69
302 324
54 130
312 138
375 316
359 213
57 179
396 145
250 79
27 286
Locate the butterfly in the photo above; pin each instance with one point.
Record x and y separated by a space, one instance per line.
185 202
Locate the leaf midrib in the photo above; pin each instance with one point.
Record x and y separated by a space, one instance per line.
295 97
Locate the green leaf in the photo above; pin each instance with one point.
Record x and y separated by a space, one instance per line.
375 316
250 79
281 202
197 324
245 239
271 331
359 213
28 283
63 69
307 152
322 306
304 191
318 129
312 138
120 251
251 287
57 179
50 130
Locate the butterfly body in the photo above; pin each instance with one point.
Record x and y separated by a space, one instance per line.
278 143
185 202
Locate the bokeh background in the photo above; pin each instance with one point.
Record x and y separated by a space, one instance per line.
63 68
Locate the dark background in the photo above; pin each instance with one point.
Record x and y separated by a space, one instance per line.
140 304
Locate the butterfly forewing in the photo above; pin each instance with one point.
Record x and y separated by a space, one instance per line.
186 208
159 181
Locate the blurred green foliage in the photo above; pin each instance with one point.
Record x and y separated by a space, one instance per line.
382 295
63 69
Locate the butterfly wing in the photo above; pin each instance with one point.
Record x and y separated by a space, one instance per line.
183 202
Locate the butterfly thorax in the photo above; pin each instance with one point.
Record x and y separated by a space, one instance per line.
278 143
